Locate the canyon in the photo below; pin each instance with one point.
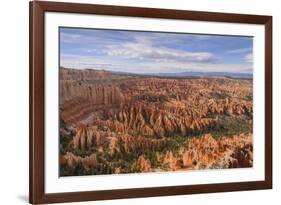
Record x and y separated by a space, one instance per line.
112 123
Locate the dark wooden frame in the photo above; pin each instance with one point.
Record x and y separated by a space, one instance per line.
36 113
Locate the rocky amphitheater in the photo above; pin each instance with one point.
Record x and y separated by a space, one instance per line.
113 123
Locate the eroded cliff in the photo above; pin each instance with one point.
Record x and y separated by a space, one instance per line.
124 123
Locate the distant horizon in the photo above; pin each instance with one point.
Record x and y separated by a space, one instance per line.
171 72
154 52
183 74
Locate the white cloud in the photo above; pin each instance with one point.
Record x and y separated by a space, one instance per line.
143 49
248 58
145 54
107 63
240 50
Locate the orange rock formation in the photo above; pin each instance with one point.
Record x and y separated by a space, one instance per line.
106 115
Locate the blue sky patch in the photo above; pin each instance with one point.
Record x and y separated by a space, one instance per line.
154 52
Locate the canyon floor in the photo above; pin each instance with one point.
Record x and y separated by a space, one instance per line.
117 123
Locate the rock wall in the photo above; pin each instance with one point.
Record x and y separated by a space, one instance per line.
210 153
203 152
72 161
95 94
87 137
149 122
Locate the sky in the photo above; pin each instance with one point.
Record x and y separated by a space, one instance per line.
154 52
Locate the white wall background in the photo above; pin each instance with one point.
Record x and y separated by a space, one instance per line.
14 100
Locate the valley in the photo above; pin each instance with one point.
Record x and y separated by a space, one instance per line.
118 123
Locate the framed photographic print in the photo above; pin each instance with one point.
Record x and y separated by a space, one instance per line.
139 102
